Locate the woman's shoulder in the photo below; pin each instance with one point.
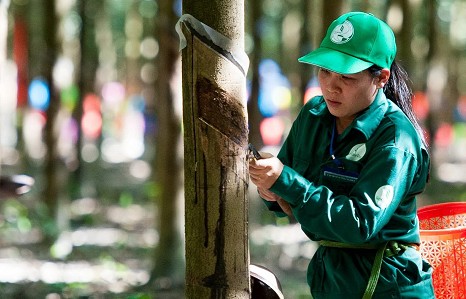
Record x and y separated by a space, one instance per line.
397 127
313 111
316 105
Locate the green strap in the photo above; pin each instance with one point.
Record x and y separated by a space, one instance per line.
390 248
375 273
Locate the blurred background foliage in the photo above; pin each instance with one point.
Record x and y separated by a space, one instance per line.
85 112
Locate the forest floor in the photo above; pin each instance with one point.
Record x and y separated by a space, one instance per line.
106 241
102 245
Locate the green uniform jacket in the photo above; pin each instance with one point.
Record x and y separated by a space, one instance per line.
365 194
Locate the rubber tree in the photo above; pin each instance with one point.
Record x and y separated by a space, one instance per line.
215 140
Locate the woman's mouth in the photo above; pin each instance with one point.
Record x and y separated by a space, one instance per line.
333 103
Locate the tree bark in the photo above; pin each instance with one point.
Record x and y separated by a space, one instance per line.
225 16
216 134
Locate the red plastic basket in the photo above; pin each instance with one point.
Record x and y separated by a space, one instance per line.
443 245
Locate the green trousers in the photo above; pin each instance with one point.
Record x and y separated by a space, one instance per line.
336 272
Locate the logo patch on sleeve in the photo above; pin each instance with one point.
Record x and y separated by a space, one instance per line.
384 196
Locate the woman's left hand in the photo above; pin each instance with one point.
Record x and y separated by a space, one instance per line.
267 194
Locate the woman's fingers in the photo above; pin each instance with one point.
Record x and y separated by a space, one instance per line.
264 172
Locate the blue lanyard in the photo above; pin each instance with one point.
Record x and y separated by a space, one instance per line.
332 153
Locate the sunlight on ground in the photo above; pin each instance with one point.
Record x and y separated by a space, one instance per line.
113 277
23 259
293 244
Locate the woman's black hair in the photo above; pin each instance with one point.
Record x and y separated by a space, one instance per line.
398 90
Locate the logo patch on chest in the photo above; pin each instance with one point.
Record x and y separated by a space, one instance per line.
357 152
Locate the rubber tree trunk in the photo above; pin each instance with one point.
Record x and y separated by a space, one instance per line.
215 140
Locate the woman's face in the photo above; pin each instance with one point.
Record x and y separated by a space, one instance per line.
347 95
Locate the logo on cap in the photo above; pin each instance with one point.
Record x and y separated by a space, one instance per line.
342 33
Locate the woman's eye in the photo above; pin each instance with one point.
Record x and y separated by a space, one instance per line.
324 70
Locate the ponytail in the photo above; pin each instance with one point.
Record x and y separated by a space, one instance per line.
398 90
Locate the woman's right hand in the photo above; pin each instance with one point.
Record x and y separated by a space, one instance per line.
264 172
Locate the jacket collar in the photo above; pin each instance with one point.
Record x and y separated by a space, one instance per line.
368 120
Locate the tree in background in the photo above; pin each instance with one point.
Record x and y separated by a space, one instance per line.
86 74
255 14
51 190
168 258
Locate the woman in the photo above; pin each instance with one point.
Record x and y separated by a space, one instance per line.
351 167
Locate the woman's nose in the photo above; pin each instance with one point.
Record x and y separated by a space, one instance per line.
331 89
332 84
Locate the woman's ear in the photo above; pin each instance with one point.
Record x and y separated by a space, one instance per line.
382 79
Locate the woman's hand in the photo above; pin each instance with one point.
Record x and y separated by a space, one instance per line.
264 172
270 196
267 194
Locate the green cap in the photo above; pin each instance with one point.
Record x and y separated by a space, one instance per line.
354 42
